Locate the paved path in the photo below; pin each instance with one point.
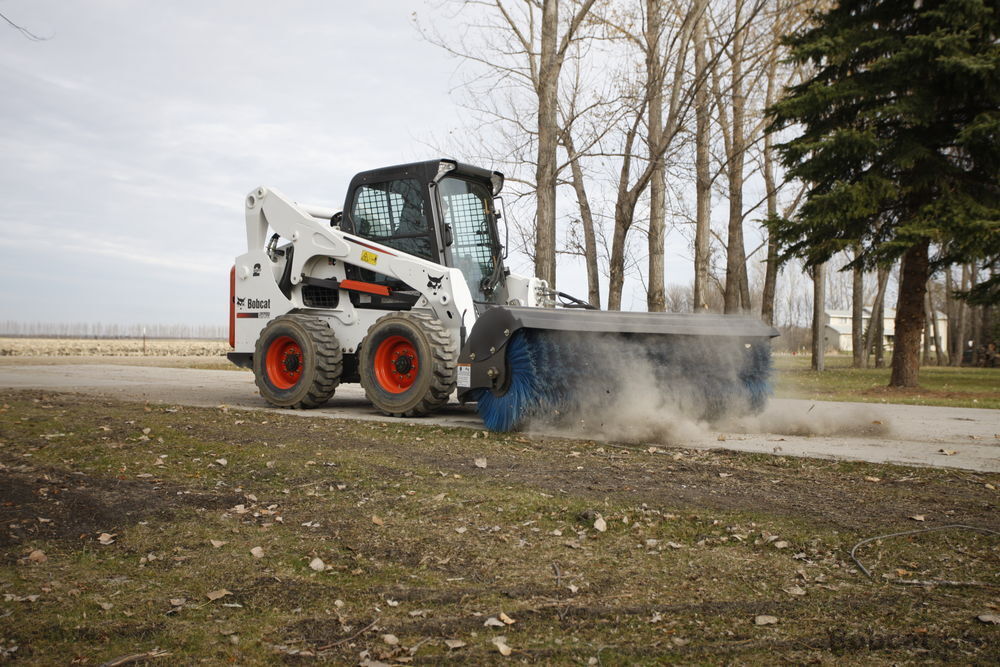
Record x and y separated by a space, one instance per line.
965 438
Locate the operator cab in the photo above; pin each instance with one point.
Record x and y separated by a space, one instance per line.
439 210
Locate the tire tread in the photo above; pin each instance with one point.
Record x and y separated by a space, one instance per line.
329 361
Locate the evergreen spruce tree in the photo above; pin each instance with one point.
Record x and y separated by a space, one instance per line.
900 144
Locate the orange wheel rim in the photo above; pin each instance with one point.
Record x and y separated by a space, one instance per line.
396 364
284 362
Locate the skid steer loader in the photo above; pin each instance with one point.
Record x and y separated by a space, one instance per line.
405 291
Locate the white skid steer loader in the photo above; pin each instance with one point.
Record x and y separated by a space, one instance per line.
405 291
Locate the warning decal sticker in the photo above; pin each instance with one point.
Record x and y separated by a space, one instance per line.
465 375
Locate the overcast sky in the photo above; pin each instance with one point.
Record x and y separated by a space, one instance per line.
130 136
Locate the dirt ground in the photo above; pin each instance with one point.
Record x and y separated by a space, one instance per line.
453 545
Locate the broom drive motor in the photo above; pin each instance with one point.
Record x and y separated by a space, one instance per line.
405 291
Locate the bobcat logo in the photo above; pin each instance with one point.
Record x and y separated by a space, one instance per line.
256 270
240 301
434 283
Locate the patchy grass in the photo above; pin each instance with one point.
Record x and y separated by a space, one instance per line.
420 542
939 385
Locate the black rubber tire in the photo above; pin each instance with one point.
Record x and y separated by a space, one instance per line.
436 352
321 362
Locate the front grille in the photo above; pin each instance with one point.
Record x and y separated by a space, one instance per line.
320 297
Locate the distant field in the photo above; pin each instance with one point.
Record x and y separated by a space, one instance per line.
169 353
119 347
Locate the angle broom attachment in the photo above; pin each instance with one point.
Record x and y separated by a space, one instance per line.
559 376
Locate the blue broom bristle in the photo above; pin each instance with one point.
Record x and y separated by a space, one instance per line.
523 396
552 373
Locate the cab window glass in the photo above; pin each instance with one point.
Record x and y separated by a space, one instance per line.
467 210
394 213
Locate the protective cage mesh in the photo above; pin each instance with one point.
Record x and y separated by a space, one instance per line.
472 237
374 210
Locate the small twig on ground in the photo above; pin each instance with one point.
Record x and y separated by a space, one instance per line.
558 573
135 657
944 582
357 634
413 649
931 582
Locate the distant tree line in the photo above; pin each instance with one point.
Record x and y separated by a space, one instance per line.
17 329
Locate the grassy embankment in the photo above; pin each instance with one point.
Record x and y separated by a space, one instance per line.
939 385
127 529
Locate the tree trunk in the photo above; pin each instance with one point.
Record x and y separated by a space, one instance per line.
625 202
949 310
909 317
703 184
587 221
736 298
939 354
977 321
880 337
545 169
624 212
771 270
925 337
874 335
819 318
655 296
860 354
961 328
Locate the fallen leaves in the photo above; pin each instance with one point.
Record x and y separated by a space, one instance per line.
918 517
218 595
257 552
992 619
317 565
480 462
794 590
106 539
37 556
453 644
377 520
217 543
600 524
947 452
764 619
501 644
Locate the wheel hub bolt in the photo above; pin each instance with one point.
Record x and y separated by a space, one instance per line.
403 365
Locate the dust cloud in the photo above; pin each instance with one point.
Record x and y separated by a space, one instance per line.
673 390
645 388
813 419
